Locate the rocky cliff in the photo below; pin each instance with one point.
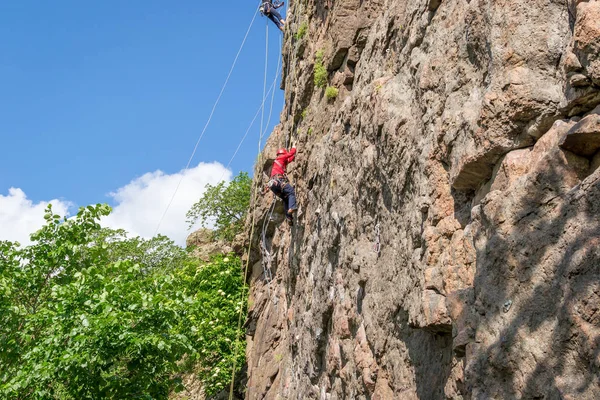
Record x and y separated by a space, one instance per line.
448 239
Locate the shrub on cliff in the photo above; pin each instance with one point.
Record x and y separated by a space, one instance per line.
331 93
320 72
86 313
302 30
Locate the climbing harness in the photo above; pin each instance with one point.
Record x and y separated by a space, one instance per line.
377 245
274 184
265 8
277 183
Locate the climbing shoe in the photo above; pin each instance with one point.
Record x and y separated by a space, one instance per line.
290 221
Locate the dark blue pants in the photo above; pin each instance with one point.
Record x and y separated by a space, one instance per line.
275 17
287 193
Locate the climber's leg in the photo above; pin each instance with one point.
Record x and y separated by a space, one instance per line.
286 202
276 14
272 18
276 189
276 18
290 193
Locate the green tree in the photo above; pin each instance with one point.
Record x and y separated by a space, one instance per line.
225 205
160 252
86 313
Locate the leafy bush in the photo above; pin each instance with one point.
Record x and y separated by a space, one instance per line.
213 315
320 54
331 92
302 30
86 313
320 71
158 253
224 204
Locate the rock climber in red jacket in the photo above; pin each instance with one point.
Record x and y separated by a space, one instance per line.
280 185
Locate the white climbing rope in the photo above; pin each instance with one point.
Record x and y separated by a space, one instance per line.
247 131
377 245
293 75
272 96
207 122
239 326
262 117
266 259
271 91
264 251
264 127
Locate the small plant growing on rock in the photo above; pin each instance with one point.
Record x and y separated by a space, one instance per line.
310 131
301 116
331 93
320 70
302 29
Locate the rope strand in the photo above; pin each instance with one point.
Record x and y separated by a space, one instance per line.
239 326
253 220
207 122
271 91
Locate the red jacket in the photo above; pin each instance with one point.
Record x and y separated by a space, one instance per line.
281 162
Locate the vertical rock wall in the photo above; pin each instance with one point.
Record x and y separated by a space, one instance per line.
465 141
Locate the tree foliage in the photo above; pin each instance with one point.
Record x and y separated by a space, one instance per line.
225 205
86 313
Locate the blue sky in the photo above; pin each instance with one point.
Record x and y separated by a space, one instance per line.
96 94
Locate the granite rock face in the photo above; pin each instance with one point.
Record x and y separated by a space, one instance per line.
447 244
205 246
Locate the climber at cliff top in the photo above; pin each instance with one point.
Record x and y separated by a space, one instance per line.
270 10
280 185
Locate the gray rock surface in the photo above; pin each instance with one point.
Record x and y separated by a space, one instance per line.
205 246
464 140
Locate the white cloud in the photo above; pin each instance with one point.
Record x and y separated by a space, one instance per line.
140 204
20 217
137 206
